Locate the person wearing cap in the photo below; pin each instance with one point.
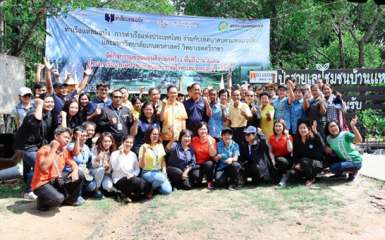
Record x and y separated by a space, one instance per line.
282 103
35 132
218 117
254 159
96 105
227 158
342 143
254 108
316 108
308 157
205 148
239 114
59 91
20 111
271 88
181 161
71 83
336 107
280 148
197 108
267 115
296 108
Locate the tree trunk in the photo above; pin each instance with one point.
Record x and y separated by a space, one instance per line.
342 48
361 54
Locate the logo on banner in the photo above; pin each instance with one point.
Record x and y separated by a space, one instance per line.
163 23
109 17
223 26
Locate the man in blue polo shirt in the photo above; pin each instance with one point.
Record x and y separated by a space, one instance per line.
95 106
197 108
59 90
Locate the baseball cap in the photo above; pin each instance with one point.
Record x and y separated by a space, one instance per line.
227 130
24 90
250 129
282 86
58 84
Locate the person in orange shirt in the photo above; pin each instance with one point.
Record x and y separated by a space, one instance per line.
45 179
205 148
280 148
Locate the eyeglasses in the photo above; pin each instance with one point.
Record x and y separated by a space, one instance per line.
248 134
119 97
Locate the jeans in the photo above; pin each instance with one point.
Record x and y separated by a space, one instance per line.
102 178
158 180
175 175
87 186
221 175
51 196
29 160
341 167
207 168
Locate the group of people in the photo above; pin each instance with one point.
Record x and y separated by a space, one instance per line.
74 144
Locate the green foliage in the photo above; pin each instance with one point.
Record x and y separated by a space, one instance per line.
373 124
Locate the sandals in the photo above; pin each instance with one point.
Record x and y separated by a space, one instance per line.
309 182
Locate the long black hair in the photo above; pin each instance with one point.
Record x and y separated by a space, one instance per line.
143 117
326 130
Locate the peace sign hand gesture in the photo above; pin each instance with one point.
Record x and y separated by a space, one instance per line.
314 127
354 121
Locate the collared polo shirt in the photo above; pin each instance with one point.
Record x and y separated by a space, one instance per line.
231 151
180 158
280 146
196 112
238 120
174 114
94 103
59 102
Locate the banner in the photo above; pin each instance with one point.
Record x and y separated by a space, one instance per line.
138 49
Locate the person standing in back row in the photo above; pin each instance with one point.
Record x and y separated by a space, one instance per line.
197 108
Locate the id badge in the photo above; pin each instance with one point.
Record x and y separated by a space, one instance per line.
157 165
119 126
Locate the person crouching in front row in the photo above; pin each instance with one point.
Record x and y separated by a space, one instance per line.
45 184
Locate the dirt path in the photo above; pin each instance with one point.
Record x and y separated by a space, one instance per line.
329 210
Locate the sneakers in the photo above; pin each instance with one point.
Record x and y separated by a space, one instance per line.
174 189
81 199
210 185
30 195
338 176
232 187
98 194
75 204
283 181
41 206
352 177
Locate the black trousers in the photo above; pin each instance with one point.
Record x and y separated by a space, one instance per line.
250 170
50 193
221 175
207 168
134 186
238 135
284 163
310 169
175 175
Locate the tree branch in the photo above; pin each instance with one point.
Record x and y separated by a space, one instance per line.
373 25
316 57
32 29
327 57
354 35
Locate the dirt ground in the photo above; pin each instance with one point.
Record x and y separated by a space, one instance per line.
329 209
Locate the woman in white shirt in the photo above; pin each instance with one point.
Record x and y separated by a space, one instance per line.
126 170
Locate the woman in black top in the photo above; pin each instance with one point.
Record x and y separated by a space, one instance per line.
84 99
308 158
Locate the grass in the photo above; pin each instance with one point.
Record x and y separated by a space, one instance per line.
12 191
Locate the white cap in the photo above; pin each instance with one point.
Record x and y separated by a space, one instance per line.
24 90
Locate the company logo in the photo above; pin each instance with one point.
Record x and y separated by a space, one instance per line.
223 26
163 23
109 17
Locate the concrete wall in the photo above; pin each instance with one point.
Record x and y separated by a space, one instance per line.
12 77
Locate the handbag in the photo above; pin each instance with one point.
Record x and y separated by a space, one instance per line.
341 120
63 187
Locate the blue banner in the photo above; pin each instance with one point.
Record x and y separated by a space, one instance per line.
139 49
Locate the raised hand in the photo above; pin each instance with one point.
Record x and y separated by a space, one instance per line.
40 66
78 134
268 114
95 138
314 127
339 94
113 121
228 77
47 64
164 102
206 100
142 88
98 110
223 107
39 101
88 70
321 100
286 132
354 121
56 72
175 137
307 95
55 145
254 110
69 75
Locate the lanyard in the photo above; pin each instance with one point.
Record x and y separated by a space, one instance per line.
156 154
116 113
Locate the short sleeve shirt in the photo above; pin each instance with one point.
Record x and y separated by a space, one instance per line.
180 158
41 177
202 149
196 112
59 102
83 158
282 110
175 114
344 147
216 121
153 157
231 151
296 112
235 116
20 112
143 126
267 126
280 146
